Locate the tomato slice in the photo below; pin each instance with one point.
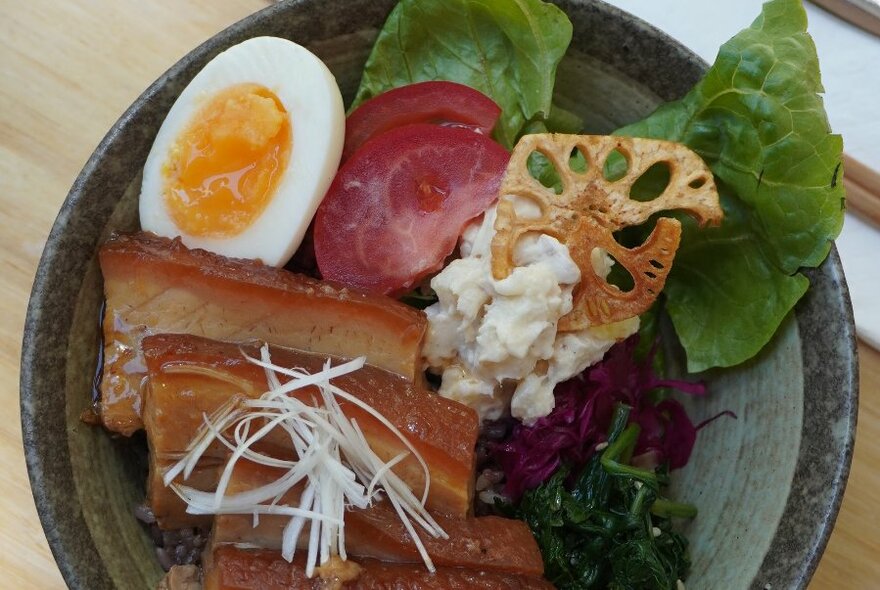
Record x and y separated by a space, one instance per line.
395 210
444 103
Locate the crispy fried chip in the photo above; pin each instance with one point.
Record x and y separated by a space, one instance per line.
591 208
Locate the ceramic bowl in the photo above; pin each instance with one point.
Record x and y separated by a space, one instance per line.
768 485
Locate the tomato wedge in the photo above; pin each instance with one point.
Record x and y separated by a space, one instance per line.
395 210
444 103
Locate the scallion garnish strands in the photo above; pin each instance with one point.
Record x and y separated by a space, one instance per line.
334 461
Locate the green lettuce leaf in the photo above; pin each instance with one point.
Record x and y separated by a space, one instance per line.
507 49
757 119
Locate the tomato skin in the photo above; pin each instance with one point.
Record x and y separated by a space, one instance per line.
395 210
439 102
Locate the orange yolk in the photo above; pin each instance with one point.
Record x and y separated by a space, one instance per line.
223 169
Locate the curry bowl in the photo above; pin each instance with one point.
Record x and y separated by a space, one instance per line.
768 485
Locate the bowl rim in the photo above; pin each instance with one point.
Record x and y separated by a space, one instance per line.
789 555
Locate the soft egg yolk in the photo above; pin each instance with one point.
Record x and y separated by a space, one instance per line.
223 169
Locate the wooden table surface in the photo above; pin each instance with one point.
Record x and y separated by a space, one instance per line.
68 70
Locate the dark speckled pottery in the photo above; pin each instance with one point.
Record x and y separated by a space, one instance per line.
768 485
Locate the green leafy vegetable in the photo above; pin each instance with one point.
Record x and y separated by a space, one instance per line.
420 297
562 121
599 532
758 121
507 49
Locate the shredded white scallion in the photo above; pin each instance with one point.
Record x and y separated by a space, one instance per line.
334 462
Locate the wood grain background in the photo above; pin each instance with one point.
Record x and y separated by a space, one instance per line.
67 71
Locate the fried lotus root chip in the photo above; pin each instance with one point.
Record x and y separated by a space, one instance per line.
591 208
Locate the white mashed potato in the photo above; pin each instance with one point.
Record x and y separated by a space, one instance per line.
495 342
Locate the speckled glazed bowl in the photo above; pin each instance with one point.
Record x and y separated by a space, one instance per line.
768 485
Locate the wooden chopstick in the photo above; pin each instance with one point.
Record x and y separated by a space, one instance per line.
852 13
862 189
861 174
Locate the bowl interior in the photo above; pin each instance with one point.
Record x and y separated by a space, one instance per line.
751 530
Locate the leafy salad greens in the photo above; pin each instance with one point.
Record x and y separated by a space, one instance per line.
756 118
508 50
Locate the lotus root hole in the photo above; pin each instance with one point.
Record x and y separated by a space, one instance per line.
579 160
540 161
609 170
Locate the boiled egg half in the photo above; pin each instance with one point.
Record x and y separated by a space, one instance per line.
246 153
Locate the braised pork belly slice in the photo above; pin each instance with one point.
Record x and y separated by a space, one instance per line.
487 543
192 377
231 568
156 285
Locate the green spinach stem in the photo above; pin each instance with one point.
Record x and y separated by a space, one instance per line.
668 509
618 451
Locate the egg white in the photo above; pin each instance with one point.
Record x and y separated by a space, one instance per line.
311 97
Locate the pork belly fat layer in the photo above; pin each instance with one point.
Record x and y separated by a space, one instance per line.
156 285
191 377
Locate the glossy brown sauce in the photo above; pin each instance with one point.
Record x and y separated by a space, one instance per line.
92 414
